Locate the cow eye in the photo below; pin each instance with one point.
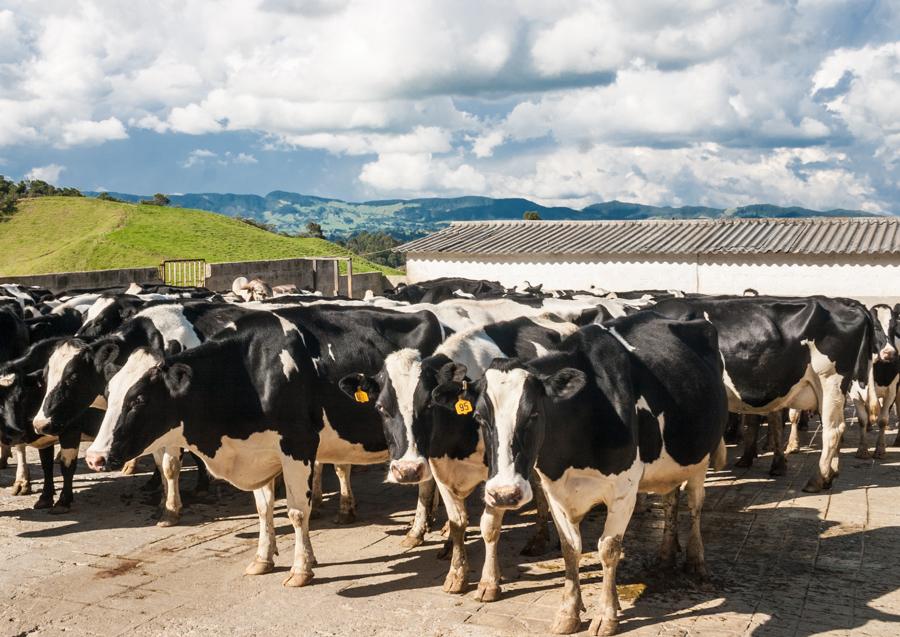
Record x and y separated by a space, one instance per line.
380 409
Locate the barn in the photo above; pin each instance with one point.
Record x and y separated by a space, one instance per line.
857 257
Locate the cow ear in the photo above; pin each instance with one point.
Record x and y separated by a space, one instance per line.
451 373
446 394
178 379
459 396
564 384
36 379
359 387
105 356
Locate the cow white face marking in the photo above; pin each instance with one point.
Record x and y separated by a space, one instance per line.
504 389
404 369
134 288
59 360
172 325
6 380
138 364
883 315
288 364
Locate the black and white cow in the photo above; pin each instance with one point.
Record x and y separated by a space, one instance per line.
21 389
78 371
873 401
636 405
782 352
64 323
426 440
246 403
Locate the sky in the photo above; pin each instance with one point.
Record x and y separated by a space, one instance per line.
683 102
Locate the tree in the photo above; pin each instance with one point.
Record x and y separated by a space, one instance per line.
314 230
377 246
531 215
105 196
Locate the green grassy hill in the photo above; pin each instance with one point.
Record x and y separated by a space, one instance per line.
63 234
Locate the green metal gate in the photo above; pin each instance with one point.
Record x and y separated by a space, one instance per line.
183 272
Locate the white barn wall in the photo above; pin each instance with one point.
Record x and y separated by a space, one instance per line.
870 278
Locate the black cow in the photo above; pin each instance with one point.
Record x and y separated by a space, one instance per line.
14 338
635 405
444 288
427 440
246 403
46 326
788 352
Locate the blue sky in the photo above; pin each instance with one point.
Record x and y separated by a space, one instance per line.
662 102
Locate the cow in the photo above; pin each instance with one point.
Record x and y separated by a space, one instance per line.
873 401
788 352
635 405
444 288
21 389
14 337
426 440
47 326
246 403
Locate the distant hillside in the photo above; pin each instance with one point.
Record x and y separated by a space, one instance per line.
60 234
407 218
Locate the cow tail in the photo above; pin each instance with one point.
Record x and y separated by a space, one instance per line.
720 456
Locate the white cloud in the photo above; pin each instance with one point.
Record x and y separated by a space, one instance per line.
198 156
49 173
244 158
404 173
86 132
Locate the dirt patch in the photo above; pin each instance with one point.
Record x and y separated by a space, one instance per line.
125 565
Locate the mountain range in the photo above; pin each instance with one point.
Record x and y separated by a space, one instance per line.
289 212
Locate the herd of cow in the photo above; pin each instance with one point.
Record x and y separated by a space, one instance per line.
569 398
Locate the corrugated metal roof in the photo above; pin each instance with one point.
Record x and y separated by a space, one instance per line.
815 235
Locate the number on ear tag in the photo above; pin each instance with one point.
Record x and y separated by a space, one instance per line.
361 395
463 407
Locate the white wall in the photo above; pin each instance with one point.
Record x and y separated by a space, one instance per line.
877 277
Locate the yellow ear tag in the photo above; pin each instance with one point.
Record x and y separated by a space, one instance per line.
361 396
463 407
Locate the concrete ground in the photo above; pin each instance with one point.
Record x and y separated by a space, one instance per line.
782 562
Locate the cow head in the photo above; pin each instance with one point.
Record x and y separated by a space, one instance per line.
142 409
107 315
401 393
75 375
19 396
885 320
511 412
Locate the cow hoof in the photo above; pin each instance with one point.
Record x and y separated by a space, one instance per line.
315 513
411 541
863 454
60 508
487 592
169 518
259 567
816 484
696 570
565 624
537 545
21 488
446 550
779 466
666 563
744 461
296 580
792 449
128 468
604 626
879 452
455 582
345 517
44 502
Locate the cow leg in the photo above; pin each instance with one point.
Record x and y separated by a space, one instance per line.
696 491
170 466
317 491
884 415
668 549
537 545
266 550
568 616
793 445
424 505
297 478
606 621
832 413
154 482
769 443
22 484
48 490
776 430
68 462
751 431
4 455
733 428
202 486
347 511
489 586
458 519
862 419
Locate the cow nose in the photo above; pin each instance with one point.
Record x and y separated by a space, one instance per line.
41 425
96 461
888 354
505 496
407 471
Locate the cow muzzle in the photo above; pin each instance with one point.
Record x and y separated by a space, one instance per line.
96 461
887 354
42 426
507 495
408 471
